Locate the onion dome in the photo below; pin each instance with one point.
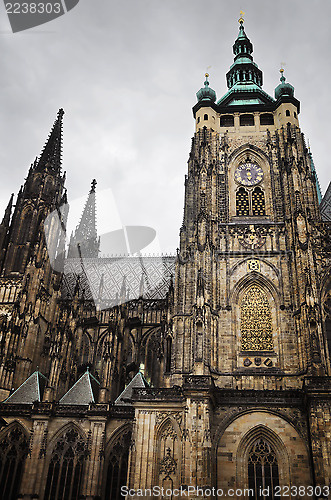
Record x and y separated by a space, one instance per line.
284 88
206 93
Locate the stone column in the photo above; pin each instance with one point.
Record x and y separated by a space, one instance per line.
94 464
34 464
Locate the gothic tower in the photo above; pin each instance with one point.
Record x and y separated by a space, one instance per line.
215 372
249 350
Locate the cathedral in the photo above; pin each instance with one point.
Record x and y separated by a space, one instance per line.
200 375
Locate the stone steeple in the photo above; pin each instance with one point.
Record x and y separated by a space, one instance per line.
84 242
51 155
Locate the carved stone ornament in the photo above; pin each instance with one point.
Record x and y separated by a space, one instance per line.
169 432
168 464
302 229
251 238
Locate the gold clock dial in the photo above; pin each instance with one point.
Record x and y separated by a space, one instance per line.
248 174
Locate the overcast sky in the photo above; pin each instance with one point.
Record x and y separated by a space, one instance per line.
126 73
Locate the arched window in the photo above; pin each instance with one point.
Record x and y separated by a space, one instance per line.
117 467
242 202
13 451
256 323
18 259
24 235
85 350
262 470
258 202
288 112
205 117
66 467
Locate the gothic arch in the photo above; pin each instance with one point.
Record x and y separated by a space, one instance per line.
240 433
269 436
237 191
261 290
237 154
167 461
151 354
14 448
116 462
65 461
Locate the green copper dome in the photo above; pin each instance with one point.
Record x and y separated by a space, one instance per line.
206 93
284 88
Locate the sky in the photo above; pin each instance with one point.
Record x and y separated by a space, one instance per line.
126 73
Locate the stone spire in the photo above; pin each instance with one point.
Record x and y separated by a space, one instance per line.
6 218
52 152
84 242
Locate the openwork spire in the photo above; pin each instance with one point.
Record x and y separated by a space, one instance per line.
52 152
84 242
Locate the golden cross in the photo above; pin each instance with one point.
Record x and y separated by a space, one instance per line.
241 19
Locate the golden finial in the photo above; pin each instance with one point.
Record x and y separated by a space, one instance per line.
206 75
241 19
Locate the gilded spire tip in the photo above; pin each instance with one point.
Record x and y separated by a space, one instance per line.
241 18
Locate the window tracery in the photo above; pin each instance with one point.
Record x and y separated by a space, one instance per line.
263 471
256 321
66 467
13 452
117 467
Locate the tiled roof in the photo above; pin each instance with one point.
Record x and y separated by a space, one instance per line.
83 392
30 391
325 205
108 280
138 382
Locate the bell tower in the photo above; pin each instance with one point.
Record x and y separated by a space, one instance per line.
246 260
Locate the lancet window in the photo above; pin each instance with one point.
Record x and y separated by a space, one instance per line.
13 452
66 467
242 202
117 468
256 321
250 202
263 474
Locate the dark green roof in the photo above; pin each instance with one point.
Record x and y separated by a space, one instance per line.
206 93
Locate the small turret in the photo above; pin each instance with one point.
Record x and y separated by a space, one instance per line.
288 107
206 93
283 88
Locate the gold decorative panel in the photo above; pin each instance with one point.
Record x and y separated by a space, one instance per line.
258 202
242 202
256 325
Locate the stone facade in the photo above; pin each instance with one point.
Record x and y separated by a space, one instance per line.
228 361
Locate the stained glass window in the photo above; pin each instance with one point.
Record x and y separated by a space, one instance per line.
256 324
242 202
263 475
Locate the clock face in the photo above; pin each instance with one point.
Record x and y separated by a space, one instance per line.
248 174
